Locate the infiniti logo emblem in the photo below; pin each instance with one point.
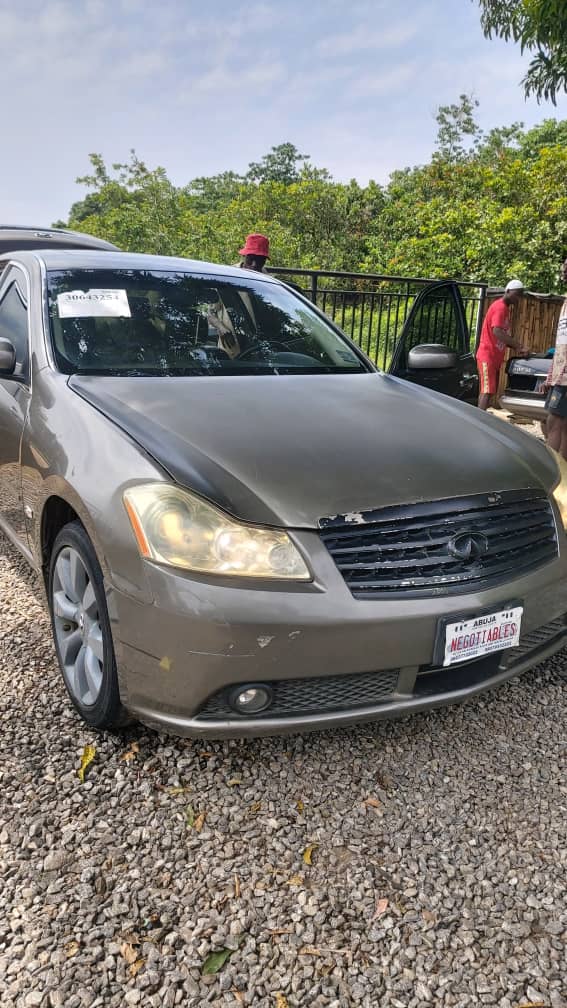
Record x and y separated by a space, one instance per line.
468 545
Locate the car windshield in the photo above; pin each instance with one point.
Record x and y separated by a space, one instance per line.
139 322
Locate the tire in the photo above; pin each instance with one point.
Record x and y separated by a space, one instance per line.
81 629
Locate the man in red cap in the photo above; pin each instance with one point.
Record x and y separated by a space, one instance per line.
256 250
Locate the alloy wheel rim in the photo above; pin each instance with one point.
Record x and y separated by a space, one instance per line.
77 627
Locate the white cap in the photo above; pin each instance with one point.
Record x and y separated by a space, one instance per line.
514 285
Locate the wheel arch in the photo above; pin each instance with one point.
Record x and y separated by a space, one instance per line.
59 507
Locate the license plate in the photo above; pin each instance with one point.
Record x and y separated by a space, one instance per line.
482 635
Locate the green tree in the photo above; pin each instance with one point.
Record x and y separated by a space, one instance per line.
540 26
456 123
500 213
311 221
485 207
136 208
282 164
210 194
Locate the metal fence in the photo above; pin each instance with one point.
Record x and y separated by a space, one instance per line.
372 308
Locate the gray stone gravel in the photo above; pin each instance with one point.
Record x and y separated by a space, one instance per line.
439 875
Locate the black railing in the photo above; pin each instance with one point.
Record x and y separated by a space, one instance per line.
372 308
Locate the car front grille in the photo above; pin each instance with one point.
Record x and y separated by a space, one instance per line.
413 550
538 638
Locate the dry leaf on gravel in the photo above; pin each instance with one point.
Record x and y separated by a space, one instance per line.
200 821
135 968
89 753
190 816
236 887
381 907
71 949
325 970
281 1001
308 853
174 791
295 880
299 805
371 803
128 952
130 753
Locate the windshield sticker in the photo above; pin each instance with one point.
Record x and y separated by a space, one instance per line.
95 303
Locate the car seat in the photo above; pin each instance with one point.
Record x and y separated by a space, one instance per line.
147 343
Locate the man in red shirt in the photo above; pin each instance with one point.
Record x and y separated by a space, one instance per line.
494 339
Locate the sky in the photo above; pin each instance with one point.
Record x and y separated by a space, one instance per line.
201 88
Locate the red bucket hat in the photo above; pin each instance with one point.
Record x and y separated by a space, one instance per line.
256 244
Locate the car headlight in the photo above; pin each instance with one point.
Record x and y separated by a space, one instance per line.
560 491
174 527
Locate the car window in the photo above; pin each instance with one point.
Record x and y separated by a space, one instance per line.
435 320
174 323
14 326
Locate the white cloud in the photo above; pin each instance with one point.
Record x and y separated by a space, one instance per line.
364 37
231 81
202 88
381 83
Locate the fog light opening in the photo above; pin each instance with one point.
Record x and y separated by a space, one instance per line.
251 699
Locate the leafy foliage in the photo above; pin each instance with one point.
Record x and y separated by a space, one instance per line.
456 122
487 206
539 26
282 164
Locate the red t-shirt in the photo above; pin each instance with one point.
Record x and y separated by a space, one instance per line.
490 349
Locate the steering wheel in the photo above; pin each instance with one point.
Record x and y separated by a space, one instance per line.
256 346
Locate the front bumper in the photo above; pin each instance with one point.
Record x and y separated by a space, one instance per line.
179 658
528 405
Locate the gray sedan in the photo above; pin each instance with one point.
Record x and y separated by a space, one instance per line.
240 525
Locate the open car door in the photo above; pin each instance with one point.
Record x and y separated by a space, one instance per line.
434 345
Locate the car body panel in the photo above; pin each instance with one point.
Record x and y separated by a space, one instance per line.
57 461
258 463
409 698
214 634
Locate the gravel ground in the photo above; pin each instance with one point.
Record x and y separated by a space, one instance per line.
438 853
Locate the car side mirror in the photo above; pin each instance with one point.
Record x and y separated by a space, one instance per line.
431 357
7 357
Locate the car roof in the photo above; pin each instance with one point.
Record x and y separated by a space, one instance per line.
17 237
58 259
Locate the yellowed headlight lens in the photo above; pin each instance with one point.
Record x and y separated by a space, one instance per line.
174 527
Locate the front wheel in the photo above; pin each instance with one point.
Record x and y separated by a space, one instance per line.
81 629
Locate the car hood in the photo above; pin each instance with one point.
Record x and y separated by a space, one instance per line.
291 449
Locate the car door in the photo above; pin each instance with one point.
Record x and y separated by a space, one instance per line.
437 321
15 394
